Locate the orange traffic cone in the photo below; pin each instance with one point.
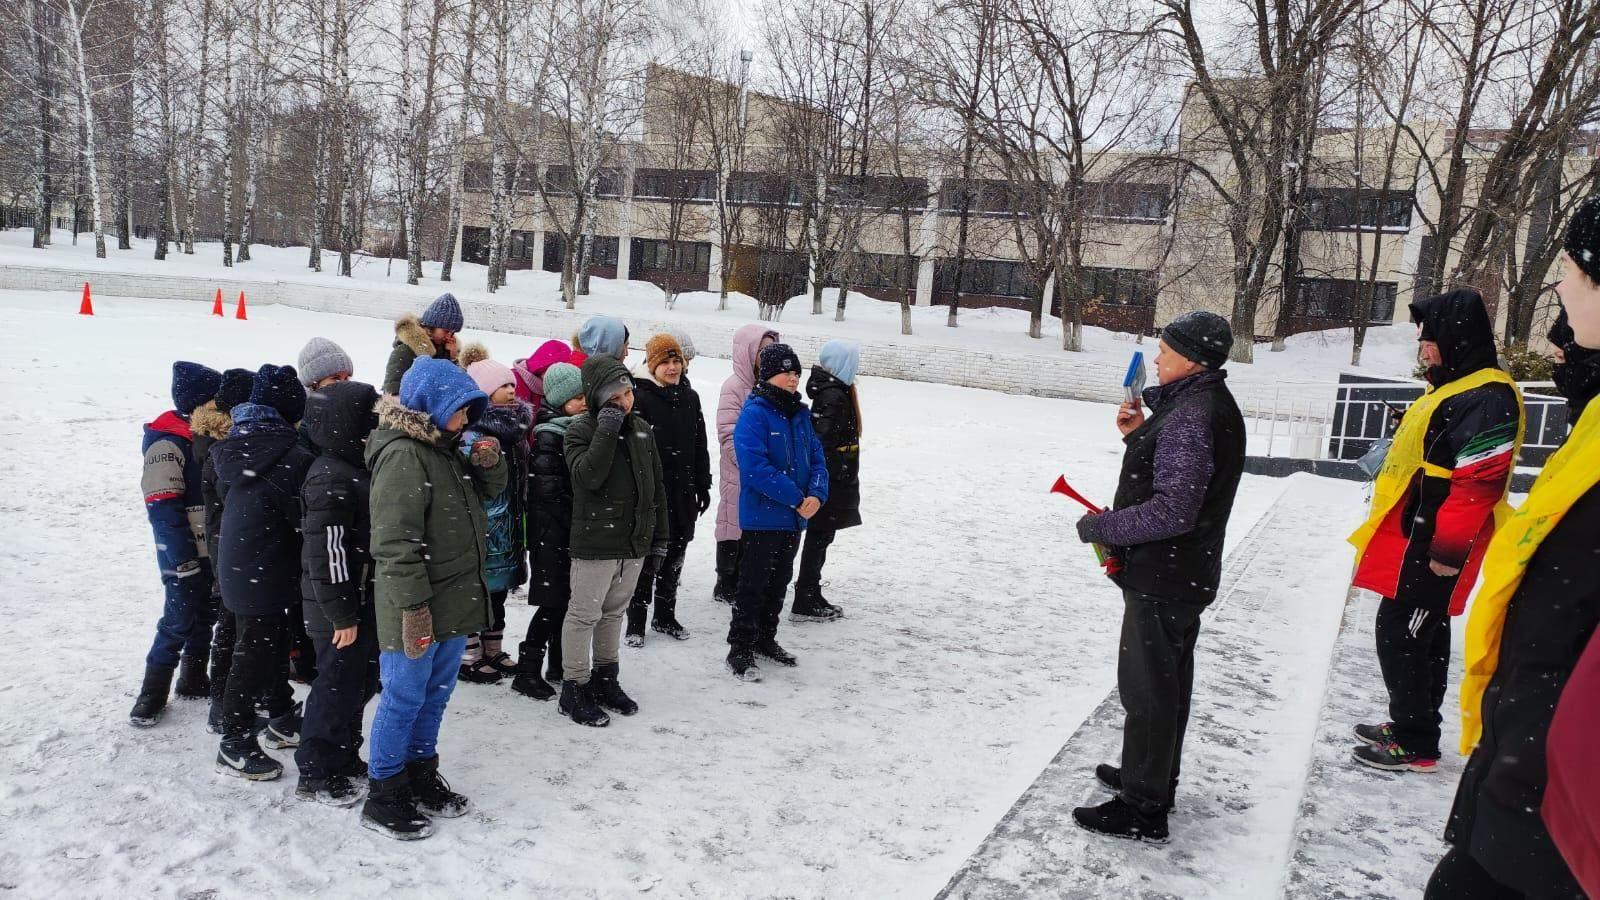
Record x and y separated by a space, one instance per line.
86 308
239 314
216 306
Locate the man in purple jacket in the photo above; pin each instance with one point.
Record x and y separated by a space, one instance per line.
1179 475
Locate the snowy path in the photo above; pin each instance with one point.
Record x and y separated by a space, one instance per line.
1261 665
1361 833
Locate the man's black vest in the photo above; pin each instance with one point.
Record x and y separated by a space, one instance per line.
1186 568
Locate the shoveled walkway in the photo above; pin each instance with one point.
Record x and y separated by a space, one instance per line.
1260 727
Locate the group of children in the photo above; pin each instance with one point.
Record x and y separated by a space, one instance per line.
367 543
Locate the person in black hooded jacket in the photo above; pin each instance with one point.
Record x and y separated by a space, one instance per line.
260 470
1424 555
336 581
1576 372
672 408
836 416
1500 845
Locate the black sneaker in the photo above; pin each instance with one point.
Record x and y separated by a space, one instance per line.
608 693
1111 778
813 608
392 810
1392 757
1115 818
577 703
283 731
335 790
152 699
1376 735
742 663
193 684
502 662
771 650
245 759
433 793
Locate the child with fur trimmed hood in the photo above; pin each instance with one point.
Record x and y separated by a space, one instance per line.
507 420
429 548
431 335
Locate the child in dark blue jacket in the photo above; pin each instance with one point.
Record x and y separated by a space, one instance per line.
783 481
170 482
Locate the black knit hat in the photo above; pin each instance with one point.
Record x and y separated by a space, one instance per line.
279 387
192 385
1201 336
776 359
236 384
1583 238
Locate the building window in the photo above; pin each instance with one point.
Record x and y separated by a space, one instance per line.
994 277
674 184
1120 287
1337 298
879 191
987 195
1137 202
875 270
1346 209
558 180
661 256
764 187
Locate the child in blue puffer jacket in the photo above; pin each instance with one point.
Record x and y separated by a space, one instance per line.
783 481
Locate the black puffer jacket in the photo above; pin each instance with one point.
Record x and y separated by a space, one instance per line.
335 556
673 412
260 470
835 418
549 511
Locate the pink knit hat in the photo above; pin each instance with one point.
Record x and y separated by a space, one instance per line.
490 375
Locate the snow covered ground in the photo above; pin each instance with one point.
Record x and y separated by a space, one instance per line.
979 638
1311 358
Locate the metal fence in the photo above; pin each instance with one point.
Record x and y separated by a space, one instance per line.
1341 421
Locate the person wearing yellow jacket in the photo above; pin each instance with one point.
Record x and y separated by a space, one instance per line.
1538 606
1434 506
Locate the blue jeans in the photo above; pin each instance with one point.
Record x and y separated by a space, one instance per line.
415 692
186 619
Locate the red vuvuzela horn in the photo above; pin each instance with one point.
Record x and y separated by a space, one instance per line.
1061 487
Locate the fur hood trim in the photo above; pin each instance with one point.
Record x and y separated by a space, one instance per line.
472 353
210 421
408 331
409 422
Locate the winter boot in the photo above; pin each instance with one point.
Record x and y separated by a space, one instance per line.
773 651
433 793
192 681
1111 777
335 790
665 619
1115 818
727 572
528 682
1391 757
577 703
810 606
244 758
608 693
152 699
479 671
1376 735
355 769
552 660
742 663
634 637
392 810
283 731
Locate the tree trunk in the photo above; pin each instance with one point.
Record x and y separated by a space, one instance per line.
86 104
231 93
124 188
163 88
197 140
44 185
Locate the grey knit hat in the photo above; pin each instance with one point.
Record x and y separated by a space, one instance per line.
1201 336
444 313
562 382
320 358
684 343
